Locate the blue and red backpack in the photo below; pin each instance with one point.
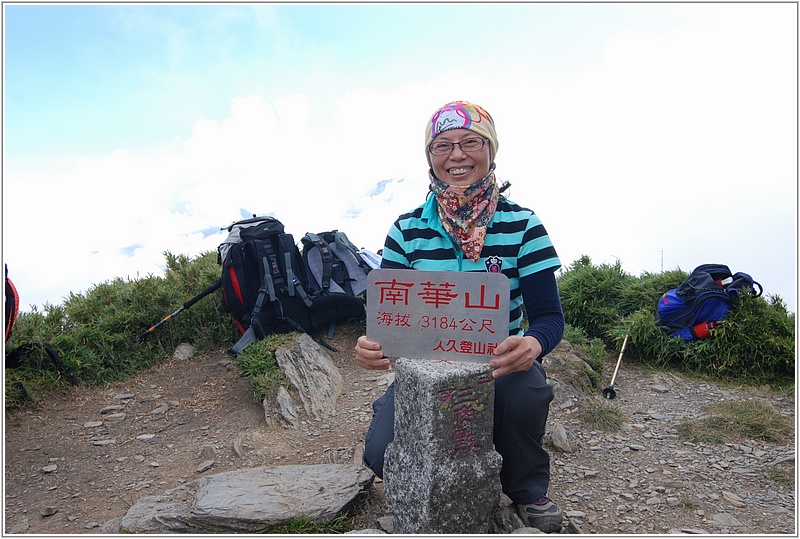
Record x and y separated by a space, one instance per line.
693 309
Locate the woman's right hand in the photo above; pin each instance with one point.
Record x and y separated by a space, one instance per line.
370 355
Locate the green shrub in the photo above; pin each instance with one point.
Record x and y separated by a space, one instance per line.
592 296
97 334
754 344
594 348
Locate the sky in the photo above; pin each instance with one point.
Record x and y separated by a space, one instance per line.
659 135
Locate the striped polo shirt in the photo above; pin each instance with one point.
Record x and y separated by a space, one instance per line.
515 238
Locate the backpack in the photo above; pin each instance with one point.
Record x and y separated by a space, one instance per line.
16 357
263 284
12 305
692 309
334 264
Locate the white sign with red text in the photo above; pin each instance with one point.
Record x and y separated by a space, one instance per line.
449 315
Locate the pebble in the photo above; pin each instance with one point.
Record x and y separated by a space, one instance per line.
727 519
733 499
48 511
183 352
104 442
205 466
111 409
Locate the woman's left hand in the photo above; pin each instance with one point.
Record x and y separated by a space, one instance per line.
520 353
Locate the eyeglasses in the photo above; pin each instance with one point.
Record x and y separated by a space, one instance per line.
467 145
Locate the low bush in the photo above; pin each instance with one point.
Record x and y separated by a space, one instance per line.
96 334
754 344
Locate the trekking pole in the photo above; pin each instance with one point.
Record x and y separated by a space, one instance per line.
609 392
198 297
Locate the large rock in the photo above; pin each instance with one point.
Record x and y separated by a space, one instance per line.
311 371
250 501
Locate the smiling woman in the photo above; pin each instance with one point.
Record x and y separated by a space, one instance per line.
467 225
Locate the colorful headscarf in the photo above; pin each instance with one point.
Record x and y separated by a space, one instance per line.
465 211
461 115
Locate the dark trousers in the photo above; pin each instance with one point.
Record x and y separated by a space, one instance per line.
521 404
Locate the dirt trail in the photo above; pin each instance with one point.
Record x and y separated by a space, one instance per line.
72 463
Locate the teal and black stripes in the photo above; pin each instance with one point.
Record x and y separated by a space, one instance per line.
516 236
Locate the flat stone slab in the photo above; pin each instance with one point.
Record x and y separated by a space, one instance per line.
250 501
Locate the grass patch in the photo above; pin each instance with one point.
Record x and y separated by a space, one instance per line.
753 345
594 354
732 421
305 525
779 475
258 365
602 416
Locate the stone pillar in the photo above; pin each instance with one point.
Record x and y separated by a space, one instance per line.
441 472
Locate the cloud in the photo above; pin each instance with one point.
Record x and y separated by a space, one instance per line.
678 144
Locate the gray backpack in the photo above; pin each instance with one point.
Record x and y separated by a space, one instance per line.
333 264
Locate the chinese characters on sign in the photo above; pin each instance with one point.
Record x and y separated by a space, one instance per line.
460 316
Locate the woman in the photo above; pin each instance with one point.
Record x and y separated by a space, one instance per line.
468 225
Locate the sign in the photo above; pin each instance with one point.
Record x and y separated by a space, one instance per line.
450 315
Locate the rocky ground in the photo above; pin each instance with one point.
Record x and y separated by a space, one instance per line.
84 456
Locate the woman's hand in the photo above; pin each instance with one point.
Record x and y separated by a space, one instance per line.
520 353
370 355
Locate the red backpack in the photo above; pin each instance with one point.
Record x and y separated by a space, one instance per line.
12 305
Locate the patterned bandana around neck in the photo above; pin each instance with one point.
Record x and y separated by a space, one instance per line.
466 211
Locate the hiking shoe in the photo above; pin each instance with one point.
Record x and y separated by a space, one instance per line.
542 514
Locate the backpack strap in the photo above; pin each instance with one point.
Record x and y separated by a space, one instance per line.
326 257
293 285
349 256
267 269
249 337
267 291
739 282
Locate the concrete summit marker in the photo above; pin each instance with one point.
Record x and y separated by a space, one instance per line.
441 473
447 315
